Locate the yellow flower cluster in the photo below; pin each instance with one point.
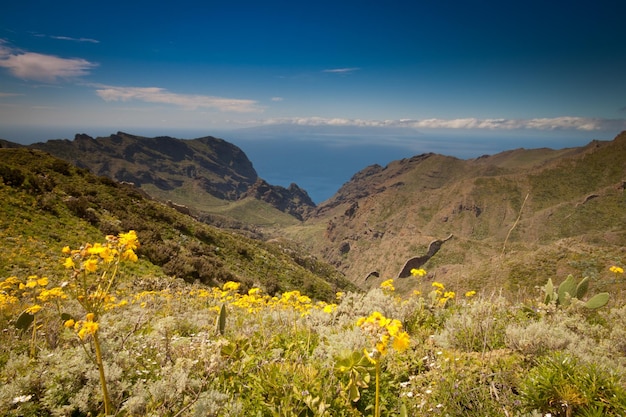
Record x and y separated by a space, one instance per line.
83 328
121 247
418 272
9 293
94 291
384 330
616 269
439 295
34 290
255 301
387 286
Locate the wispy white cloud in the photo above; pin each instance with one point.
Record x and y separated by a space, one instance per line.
41 67
9 94
68 38
277 99
554 123
341 70
187 101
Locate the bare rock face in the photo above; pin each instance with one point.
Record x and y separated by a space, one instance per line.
292 200
207 164
418 261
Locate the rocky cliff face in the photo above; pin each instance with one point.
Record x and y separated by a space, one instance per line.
292 200
214 165
169 165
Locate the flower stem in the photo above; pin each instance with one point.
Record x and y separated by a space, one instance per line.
377 403
33 350
103 382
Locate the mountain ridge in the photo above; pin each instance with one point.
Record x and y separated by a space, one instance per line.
505 211
163 164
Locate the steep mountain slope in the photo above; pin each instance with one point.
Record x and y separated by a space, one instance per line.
202 173
504 222
517 218
47 203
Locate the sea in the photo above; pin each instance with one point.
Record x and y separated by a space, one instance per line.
320 161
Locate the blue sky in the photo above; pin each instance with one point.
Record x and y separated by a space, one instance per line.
533 69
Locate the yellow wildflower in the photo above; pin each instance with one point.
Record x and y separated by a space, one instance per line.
616 269
33 309
42 282
388 285
56 292
66 250
385 330
329 308
418 272
129 240
90 316
108 254
304 299
96 249
9 282
231 286
87 328
339 295
438 285
91 265
129 255
401 341
470 294
7 300
69 323
394 327
69 263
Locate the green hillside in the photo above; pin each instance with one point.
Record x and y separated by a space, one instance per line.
47 203
517 218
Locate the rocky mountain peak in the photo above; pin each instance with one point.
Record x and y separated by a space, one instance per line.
293 200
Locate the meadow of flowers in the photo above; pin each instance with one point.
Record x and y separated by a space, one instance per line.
93 341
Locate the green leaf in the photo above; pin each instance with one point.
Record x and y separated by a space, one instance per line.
353 392
24 320
598 300
549 290
221 320
567 287
582 288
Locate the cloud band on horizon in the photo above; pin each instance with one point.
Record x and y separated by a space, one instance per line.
553 123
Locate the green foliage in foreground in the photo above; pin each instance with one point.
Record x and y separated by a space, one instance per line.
177 349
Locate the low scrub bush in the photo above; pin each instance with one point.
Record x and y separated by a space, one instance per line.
100 340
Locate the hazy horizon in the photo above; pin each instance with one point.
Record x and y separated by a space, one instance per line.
321 161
